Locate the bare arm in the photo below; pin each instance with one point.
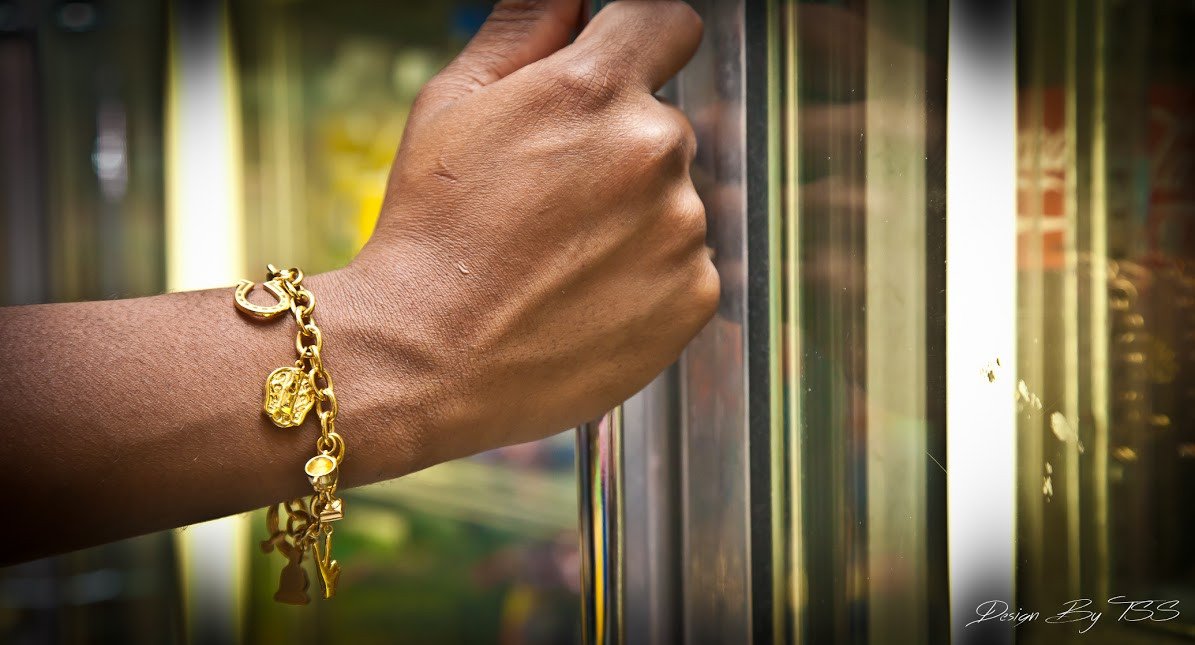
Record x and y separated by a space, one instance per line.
539 257
127 416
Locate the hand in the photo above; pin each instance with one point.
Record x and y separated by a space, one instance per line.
540 252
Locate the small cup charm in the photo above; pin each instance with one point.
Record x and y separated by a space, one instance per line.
323 472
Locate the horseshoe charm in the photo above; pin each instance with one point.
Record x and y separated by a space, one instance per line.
259 312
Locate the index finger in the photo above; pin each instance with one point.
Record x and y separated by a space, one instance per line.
643 42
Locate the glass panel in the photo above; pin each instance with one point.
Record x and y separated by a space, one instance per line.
860 232
1106 298
714 501
810 424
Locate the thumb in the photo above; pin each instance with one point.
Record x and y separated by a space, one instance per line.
517 33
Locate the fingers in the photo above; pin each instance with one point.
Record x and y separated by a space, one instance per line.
517 33
643 42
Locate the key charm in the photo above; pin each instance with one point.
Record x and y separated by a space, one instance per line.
329 569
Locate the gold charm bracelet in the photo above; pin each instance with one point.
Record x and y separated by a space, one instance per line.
290 393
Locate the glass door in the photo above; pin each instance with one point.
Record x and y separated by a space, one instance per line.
947 395
795 454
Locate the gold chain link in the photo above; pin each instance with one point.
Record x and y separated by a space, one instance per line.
290 393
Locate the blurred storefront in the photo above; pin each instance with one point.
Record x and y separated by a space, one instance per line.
954 360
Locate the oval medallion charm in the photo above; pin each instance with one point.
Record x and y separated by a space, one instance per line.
289 396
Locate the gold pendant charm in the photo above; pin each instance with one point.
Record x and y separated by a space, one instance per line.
289 396
322 472
241 299
278 537
329 569
293 582
331 511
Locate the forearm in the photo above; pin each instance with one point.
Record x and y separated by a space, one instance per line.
128 416
527 272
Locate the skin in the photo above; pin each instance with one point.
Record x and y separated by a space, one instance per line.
539 258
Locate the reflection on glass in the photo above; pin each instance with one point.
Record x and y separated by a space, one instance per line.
714 506
1106 294
860 230
810 419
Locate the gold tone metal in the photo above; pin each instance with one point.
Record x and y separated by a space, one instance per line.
277 537
329 569
331 511
290 393
321 470
331 443
293 582
241 299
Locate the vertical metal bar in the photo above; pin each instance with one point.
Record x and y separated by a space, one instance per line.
981 312
204 223
651 513
1033 140
898 455
766 493
1098 311
599 464
790 343
600 518
1070 312
587 506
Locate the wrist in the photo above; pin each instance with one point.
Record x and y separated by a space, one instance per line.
385 408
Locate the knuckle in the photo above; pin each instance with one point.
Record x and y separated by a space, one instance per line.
483 63
660 140
581 84
438 92
685 18
428 95
689 219
707 288
689 143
